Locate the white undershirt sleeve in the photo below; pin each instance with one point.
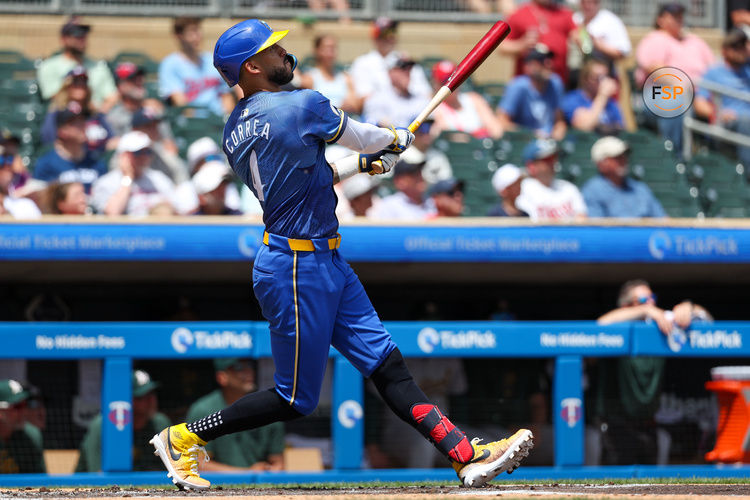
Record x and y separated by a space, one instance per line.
365 138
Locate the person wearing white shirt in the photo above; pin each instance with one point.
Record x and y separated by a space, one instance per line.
19 208
395 105
542 195
134 188
408 203
370 71
607 31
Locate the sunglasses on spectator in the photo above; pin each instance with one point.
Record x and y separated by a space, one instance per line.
645 298
142 152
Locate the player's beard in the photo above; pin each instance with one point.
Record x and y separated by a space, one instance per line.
282 75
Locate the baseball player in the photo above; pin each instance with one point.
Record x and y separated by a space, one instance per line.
275 142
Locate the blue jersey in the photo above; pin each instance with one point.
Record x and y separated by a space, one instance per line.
275 142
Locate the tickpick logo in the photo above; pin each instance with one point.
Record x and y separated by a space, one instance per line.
668 92
428 339
349 413
571 410
182 338
658 244
676 339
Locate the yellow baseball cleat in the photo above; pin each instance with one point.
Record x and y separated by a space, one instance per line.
493 458
179 449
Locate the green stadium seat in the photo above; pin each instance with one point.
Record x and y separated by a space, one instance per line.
16 91
190 123
492 91
15 66
680 202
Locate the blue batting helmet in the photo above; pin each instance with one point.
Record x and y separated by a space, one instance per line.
239 43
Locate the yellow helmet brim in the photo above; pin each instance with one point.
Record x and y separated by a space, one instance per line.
274 38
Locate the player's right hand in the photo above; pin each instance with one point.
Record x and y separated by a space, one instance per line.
377 163
402 140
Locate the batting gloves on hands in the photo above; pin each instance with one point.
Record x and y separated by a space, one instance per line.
401 141
377 163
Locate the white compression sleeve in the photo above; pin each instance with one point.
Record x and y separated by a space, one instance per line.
346 167
365 138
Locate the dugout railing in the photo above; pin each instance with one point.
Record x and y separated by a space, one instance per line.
567 342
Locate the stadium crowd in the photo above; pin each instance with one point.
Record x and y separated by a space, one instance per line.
112 140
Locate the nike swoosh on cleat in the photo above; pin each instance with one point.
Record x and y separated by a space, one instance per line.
485 454
175 457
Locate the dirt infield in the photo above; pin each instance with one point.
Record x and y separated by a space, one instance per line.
618 491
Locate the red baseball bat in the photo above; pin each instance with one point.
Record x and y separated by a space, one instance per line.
465 68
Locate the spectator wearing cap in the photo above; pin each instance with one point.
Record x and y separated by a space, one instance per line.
606 33
733 73
131 88
463 111
408 202
75 91
166 160
437 166
147 420
612 193
329 80
506 181
370 71
259 449
210 183
448 197
359 190
395 105
188 76
592 107
20 441
70 160
670 45
134 188
542 195
540 21
534 100
199 153
53 70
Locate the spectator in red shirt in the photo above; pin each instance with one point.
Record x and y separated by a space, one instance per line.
542 21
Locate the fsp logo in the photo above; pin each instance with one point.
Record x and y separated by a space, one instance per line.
349 413
571 410
668 92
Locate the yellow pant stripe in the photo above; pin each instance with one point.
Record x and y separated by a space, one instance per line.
296 329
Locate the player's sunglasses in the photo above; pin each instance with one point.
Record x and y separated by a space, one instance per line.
142 152
645 298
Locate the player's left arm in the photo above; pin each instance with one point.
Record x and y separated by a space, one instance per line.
319 119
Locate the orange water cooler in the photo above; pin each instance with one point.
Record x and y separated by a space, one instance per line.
732 387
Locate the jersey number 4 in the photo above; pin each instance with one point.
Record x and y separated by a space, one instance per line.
255 173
